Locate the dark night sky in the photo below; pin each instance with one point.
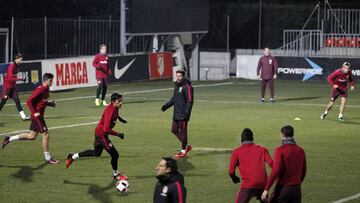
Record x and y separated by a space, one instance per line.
277 16
104 8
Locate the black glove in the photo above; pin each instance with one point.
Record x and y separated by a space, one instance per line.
121 135
52 103
235 179
164 107
122 120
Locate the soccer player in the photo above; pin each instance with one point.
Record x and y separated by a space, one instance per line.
182 100
267 65
9 86
250 159
289 170
102 68
101 138
170 187
37 104
338 81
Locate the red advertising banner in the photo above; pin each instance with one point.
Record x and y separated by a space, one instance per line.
160 65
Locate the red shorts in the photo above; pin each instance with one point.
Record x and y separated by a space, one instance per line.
38 125
9 93
335 93
103 142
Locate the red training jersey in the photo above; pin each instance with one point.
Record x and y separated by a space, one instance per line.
267 67
11 76
289 166
107 121
38 101
101 65
250 159
341 79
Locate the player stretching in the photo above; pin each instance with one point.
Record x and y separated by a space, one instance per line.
37 104
338 81
102 72
101 139
9 87
182 100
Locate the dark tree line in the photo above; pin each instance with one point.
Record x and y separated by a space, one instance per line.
277 15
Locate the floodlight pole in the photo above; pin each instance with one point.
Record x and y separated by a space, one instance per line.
122 28
259 40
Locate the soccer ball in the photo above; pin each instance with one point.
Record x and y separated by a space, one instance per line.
122 186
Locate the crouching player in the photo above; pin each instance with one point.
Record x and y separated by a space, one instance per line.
101 139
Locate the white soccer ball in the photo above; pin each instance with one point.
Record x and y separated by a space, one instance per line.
122 186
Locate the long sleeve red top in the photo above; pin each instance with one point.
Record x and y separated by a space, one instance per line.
107 121
101 64
11 76
250 159
289 166
267 67
341 79
38 101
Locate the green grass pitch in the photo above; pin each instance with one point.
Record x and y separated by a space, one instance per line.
219 115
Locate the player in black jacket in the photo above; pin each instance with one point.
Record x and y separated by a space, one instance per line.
170 187
182 100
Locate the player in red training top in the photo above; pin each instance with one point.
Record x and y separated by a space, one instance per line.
9 86
289 169
267 69
250 159
338 81
101 139
37 104
101 65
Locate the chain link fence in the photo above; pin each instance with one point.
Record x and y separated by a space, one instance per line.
47 38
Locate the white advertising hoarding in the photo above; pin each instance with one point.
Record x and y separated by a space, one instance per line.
70 73
246 66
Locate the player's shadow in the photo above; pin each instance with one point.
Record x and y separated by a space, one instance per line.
297 99
184 165
25 173
209 153
344 122
144 101
96 191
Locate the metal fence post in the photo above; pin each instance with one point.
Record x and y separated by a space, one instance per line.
45 37
79 37
12 39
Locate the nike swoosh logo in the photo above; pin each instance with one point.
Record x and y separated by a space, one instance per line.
120 72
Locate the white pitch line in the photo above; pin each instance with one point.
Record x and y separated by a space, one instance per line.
137 92
348 198
51 128
209 149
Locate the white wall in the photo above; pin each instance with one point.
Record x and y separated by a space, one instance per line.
214 65
246 66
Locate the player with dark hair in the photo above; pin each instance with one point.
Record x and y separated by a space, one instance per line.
250 159
9 87
101 65
101 139
170 186
338 81
289 169
182 100
267 69
37 104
